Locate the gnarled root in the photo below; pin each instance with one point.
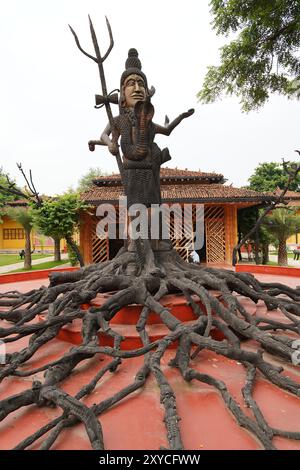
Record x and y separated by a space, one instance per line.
132 279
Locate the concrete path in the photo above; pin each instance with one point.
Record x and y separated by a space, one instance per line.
13 267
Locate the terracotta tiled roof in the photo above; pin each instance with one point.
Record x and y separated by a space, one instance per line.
24 202
293 197
18 202
183 192
167 174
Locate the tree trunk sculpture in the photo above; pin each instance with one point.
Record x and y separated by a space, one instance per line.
142 273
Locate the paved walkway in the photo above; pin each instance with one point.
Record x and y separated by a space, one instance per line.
13 267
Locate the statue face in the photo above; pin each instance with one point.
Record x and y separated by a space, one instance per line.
134 90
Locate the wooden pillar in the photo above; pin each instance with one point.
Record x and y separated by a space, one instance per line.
86 237
230 231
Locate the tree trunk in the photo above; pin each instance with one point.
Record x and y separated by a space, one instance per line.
57 256
256 255
75 248
265 253
282 253
27 257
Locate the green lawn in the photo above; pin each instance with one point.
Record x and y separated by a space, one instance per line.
12 259
290 255
48 265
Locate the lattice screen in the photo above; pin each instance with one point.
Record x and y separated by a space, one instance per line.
100 246
215 234
182 240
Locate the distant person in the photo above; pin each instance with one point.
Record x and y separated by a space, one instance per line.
296 253
22 254
194 257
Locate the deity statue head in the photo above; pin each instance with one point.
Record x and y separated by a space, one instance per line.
133 86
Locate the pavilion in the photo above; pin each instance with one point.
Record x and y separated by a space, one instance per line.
221 204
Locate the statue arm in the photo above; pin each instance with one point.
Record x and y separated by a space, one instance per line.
112 143
166 130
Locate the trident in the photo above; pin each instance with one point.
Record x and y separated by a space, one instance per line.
104 99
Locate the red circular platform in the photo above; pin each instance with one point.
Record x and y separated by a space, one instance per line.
124 322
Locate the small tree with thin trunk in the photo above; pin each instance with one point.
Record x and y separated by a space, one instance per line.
24 217
282 223
59 218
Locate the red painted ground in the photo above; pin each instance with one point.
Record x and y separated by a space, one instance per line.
137 422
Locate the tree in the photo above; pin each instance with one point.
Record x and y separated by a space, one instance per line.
4 197
262 58
59 218
24 216
269 176
291 170
86 181
266 177
282 223
260 239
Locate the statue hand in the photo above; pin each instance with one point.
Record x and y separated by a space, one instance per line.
91 145
188 113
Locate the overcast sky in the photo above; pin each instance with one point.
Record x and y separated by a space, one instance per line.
48 87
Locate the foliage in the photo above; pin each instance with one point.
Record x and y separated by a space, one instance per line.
263 56
86 181
269 176
283 223
247 218
4 197
59 217
23 215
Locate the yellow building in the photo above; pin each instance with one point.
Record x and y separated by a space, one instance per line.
12 235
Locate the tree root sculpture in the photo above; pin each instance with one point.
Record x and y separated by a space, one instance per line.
130 279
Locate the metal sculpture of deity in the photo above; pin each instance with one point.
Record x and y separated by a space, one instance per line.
133 129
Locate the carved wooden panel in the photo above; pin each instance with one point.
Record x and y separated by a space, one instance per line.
182 240
181 232
100 246
215 234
